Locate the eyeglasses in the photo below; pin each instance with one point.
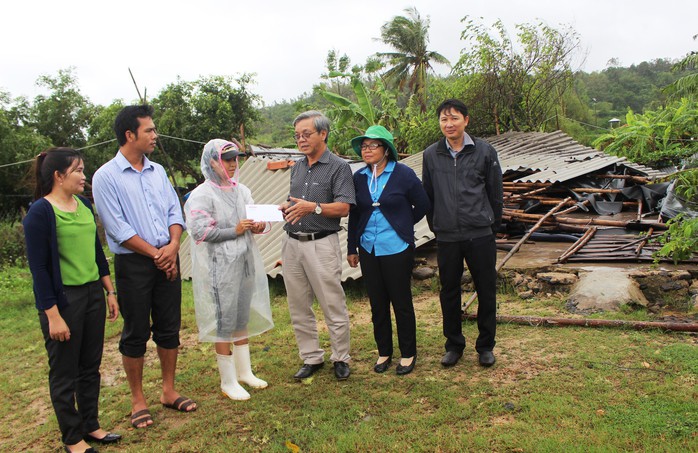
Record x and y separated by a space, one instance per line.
305 135
371 146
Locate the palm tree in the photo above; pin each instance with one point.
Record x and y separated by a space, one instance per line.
411 60
686 86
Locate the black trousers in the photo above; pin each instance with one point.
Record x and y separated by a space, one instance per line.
145 293
74 364
480 255
388 280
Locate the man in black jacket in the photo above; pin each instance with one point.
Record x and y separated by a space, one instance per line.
463 179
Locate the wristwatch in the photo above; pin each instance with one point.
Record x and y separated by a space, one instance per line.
111 293
318 209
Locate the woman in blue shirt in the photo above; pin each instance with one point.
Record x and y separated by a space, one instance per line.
389 201
70 274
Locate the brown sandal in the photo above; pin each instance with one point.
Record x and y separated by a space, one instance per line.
140 417
181 404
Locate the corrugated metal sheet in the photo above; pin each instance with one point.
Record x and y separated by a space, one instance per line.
555 157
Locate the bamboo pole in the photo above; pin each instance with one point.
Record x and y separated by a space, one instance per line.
638 250
592 221
573 208
532 192
518 245
636 179
577 245
635 242
593 190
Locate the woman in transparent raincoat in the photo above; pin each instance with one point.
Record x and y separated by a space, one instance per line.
231 294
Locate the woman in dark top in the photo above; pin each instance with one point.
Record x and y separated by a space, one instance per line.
70 274
389 201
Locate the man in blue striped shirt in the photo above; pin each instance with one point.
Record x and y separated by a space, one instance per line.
143 220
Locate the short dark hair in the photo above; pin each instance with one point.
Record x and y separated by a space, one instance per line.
47 163
452 104
320 121
127 120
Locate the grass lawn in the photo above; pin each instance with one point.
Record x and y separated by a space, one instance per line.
552 389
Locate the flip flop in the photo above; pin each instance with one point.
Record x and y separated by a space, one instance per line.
181 404
140 417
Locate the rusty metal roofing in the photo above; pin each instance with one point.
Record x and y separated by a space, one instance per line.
553 157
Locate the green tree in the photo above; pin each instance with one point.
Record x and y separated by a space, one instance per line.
617 89
658 137
688 84
101 142
371 103
411 60
64 114
18 143
211 107
521 84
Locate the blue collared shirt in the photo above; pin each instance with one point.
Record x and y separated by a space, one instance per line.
131 202
466 141
379 236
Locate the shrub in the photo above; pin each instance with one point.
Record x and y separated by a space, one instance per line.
12 249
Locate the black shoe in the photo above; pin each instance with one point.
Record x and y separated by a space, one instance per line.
451 358
383 367
341 371
486 358
89 450
402 370
110 438
307 370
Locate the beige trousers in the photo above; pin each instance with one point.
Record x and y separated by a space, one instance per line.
314 269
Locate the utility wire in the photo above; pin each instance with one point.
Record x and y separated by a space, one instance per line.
182 139
104 143
16 163
96 144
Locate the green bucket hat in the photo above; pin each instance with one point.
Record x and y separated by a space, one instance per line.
376 133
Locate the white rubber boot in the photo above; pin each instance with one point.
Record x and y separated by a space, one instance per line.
244 367
229 383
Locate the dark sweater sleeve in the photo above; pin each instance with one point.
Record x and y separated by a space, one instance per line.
353 226
428 188
417 196
37 238
495 192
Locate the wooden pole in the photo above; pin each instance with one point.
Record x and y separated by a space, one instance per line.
573 208
573 221
638 250
586 237
557 322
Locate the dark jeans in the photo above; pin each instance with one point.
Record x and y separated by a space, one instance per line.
74 364
480 255
388 279
145 293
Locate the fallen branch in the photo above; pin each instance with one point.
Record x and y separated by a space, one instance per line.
566 322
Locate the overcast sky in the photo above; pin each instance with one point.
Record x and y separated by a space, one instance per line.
285 43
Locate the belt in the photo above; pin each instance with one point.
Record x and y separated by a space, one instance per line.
304 237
